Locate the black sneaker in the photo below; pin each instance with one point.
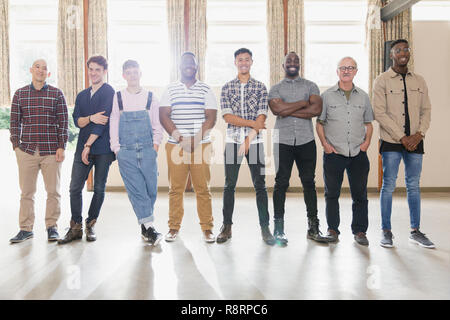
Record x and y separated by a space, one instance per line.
150 235
22 236
52 234
386 239
419 238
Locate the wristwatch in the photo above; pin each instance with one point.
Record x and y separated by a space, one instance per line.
421 133
87 145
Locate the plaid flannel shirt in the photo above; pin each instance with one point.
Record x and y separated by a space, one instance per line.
39 119
255 104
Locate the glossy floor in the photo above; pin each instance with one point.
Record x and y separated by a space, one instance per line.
120 266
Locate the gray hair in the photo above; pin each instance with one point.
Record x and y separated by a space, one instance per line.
348 57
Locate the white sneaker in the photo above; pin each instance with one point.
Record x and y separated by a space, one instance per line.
171 235
208 236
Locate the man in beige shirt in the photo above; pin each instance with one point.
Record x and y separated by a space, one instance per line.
403 110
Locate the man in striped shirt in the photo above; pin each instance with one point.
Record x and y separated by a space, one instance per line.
38 128
188 112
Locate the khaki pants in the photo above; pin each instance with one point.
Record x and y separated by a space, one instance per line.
180 164
29 166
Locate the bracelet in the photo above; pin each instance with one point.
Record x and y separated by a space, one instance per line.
87 145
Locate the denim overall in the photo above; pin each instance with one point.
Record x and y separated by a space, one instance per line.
137 160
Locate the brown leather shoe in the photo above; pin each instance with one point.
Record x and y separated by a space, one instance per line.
225 233
332 236
75 233
90 233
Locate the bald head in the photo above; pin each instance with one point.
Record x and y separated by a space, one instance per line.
292 53
39 72
291 65
347 59
40 62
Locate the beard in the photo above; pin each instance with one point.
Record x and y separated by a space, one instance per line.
292 73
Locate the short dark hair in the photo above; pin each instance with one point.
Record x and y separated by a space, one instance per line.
241 51
100 60
188 53
130 64
399 41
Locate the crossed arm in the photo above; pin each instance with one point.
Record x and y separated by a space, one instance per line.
299 109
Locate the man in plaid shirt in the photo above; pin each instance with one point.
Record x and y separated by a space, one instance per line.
38 128
244 108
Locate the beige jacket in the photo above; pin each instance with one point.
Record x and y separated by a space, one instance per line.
388 108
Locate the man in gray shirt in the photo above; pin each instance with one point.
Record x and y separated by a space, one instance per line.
295 101
345 130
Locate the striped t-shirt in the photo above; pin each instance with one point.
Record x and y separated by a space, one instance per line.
188 107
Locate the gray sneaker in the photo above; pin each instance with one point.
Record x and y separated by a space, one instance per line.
419 238
361 239
386 239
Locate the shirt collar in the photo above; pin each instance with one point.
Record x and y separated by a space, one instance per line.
337 88
394 74
195 83
237 81
43 88
298 79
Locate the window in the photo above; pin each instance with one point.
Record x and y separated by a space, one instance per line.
431 11
33 31
137 30
333 30
233 24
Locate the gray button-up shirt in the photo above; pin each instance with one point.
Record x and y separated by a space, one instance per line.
291 130
344 120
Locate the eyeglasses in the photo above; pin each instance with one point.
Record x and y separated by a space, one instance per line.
350 68
405 50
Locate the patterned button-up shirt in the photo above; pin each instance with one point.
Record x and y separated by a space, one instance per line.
39 119
255 104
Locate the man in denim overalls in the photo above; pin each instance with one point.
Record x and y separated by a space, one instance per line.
136 133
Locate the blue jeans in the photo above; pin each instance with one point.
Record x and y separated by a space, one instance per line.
138 168
413 168
357 168
80 172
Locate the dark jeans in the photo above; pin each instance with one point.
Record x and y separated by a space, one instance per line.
357 169
80 172
255 160
305 159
